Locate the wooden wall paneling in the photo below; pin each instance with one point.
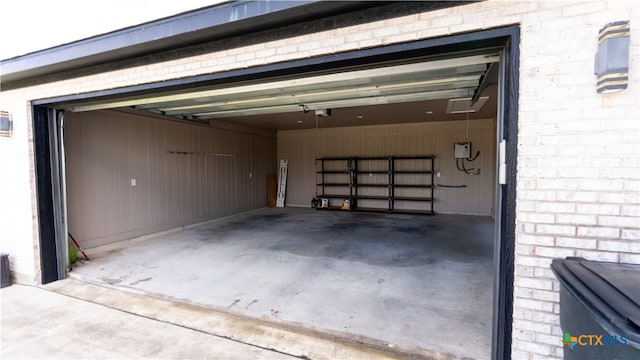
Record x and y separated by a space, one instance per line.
136 152
106 149
435 138
164 173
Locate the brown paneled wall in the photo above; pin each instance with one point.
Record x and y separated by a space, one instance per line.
302 147
182 174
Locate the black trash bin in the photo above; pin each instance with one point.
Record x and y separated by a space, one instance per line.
599 309
5 273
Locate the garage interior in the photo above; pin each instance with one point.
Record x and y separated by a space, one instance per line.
167 192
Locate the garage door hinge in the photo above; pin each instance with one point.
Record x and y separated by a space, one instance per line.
502 172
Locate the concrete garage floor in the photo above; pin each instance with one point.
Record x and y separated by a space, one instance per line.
408 280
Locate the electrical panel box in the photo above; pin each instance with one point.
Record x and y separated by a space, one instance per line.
462 150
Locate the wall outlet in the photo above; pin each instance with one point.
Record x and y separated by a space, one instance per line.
438 174
133 182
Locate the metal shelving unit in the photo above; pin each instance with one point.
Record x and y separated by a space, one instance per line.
382 184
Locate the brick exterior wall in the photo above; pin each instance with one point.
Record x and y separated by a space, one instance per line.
578 175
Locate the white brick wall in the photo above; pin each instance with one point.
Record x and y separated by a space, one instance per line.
16 214
578 163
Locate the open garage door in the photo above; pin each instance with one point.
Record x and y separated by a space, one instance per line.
267 111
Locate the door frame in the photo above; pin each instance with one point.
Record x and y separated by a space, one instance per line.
48 167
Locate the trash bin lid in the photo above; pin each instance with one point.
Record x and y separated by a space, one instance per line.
609 291
624 277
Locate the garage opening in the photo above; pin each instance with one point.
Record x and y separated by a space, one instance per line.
416 133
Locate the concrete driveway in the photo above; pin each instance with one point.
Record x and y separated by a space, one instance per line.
70 319
40 324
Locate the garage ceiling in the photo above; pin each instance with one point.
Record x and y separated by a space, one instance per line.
418 91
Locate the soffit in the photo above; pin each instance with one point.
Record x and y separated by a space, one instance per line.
193 27
178 36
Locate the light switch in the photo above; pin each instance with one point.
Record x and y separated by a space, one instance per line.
133 182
